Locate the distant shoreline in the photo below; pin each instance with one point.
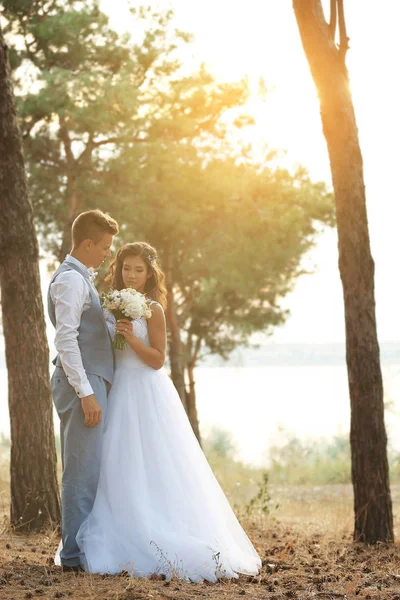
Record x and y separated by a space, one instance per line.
286 355
297 354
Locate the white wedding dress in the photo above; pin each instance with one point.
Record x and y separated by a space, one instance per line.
158 508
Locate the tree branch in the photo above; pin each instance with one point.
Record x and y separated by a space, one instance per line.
333 20
63 134
86 153
193 354
91 145
27 126
188 347
322 53
344 40
197 350
117 140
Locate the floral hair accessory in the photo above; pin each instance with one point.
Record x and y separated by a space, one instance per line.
152 259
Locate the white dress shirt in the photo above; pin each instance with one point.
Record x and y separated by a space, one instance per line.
71 298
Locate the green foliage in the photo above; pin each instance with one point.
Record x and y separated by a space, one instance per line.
253 254
219 442
235 231
95 93
261 502
317 462
323 461
295 462
120 124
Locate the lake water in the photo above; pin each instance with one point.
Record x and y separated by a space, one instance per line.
261 406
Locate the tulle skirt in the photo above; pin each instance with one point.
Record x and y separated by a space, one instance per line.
159 508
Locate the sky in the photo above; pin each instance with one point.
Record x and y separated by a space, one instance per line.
260 38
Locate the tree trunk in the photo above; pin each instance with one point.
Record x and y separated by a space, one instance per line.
175 344
66 240
191 352
71 196
191 408
34 491
370 474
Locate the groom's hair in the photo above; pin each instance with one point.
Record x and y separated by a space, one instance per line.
92 225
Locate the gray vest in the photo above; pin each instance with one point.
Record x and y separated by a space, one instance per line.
93 338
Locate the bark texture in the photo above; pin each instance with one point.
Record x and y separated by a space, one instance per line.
370 473
191 406
175 343
34 490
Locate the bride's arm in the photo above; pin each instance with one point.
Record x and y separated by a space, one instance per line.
153 355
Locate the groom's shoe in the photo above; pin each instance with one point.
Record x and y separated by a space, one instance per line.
72 568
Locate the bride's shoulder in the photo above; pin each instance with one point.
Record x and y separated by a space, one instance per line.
157 318
156 308
153 304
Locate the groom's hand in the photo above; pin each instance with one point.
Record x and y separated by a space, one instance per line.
91 410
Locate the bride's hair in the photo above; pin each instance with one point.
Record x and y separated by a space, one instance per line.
155 285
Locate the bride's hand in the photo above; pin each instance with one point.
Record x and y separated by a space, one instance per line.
125 328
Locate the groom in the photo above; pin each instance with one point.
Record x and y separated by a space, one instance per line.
84 371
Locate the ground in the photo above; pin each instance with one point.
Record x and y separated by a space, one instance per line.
305 544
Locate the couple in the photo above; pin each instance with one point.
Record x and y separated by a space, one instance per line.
138 494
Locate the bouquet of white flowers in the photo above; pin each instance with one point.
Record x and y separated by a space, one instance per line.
126 304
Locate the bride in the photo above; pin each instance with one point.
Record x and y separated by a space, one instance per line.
159 508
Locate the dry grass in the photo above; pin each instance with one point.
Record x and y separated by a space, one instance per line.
296 564
305 546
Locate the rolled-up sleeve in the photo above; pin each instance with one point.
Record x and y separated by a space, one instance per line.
69 293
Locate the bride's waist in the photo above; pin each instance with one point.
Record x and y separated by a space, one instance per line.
131 363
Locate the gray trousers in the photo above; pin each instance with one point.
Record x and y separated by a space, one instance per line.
80 454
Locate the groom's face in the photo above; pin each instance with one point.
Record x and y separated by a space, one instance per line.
99 252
